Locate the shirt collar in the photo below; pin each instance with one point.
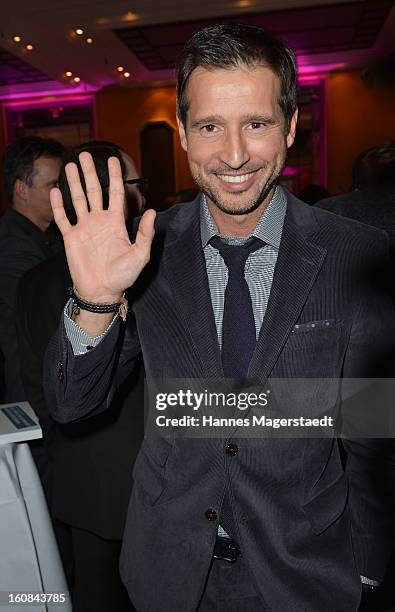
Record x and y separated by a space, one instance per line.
23 222
48 240
268 229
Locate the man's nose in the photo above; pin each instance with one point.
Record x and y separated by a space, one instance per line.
235 152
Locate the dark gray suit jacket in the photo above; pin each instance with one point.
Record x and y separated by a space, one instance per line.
307 527
22 246
90 461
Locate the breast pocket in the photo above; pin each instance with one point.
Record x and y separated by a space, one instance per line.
312 332
314 349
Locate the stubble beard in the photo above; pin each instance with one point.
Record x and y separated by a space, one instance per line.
215 196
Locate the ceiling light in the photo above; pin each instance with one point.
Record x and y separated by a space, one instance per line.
68 73
79 31
129 16
120 68
29 47
126 75
89 40
16 38
76 79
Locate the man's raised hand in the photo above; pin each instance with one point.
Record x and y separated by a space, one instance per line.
102 261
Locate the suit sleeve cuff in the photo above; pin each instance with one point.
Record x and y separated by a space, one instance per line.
370 582
80 341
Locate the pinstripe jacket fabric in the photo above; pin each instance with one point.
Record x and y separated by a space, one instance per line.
308 527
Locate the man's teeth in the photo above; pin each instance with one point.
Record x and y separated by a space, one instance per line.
236 179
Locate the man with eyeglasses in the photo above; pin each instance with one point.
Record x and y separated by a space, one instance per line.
136 189
91 462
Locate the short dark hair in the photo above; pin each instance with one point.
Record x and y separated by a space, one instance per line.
19 158
374 167
233 45
100 150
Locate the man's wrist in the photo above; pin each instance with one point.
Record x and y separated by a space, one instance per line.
99 297
82 341
95 317
93 323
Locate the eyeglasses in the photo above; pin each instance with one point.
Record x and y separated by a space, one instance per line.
142 184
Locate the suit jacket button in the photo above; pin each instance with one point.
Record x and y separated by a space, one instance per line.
232 449
211 515
60 373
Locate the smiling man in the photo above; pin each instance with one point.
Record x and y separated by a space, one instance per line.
245 282
236 137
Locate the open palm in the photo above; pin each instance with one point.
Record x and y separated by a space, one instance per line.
102 260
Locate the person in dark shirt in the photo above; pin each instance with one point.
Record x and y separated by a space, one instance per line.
30 169
372 196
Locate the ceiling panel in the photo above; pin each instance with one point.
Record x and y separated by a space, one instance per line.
145 36
310 30
15 71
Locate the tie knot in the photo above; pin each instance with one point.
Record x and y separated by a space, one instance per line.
236 255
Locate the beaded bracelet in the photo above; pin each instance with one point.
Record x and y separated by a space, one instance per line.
80 304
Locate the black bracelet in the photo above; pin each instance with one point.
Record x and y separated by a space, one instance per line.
99 308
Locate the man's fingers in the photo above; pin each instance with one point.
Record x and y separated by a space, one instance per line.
145 233
116 190
93 188
59 214
76 191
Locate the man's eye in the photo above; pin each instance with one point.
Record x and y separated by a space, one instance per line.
256 125
209 129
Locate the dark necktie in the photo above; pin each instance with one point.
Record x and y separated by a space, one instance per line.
238 331
238 325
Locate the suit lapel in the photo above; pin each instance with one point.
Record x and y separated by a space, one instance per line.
185 269
299 261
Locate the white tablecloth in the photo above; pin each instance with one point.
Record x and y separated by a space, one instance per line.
29 557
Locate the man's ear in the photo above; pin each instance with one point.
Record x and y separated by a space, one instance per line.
292 129
183 136
21 190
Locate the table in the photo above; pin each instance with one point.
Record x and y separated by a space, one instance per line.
29 557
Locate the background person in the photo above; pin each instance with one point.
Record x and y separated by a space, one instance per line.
372 198
91 462
30 169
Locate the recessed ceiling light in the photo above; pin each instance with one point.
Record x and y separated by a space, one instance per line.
126 75
79 31
120 68
29 47
129 16
89 40
76 79
16 38
68 73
